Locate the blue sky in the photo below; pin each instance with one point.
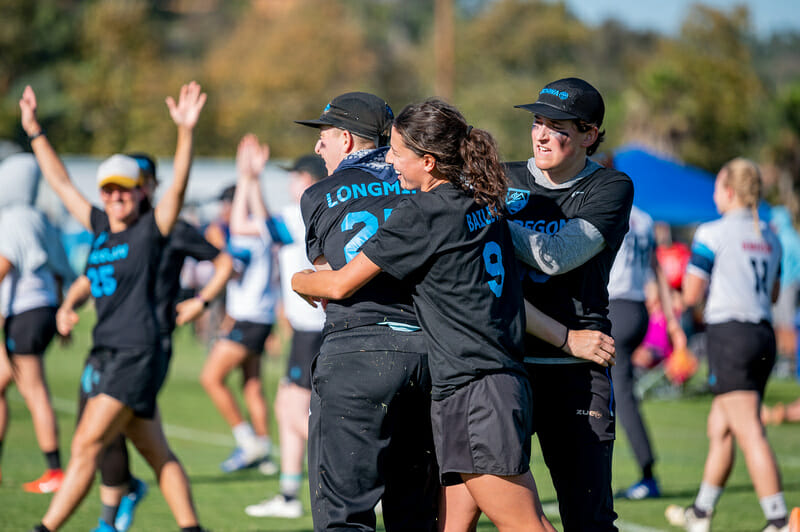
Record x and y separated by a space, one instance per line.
767 16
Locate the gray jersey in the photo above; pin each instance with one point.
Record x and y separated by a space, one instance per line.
740 265
632 266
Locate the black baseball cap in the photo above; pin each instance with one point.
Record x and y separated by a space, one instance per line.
312 164
360 113
569 99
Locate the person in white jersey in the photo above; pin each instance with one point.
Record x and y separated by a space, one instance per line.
738 259
33 267
635 266
293 399
250 300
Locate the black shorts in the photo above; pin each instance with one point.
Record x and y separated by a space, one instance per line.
484 428
132 376
30 332
740 356
305 346
251 335
574 399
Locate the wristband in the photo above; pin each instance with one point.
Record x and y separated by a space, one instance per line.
566 337
36 135
204 300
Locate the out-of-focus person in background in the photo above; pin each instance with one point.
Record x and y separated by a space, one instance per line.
784 313
33 270
251 298
293 399
633 267
736 260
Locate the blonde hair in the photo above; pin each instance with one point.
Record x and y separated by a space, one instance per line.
743 176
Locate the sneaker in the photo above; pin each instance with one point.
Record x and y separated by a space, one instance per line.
102 526
268 467
647 488
128 504
49 482
687 518
794 520
239 459
278 506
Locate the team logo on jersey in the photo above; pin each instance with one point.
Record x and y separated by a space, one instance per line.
516 199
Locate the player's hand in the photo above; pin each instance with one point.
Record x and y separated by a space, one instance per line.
189 310
297 283
66 319
186 112
591 345
27 105
251 157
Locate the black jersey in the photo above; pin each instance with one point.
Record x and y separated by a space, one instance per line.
184 241
467 295
341 213
122 270
578 298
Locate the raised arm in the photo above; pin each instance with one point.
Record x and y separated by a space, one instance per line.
50 164
593 346
335 284
248 211
185 114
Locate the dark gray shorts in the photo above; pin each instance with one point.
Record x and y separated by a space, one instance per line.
30 332
484 428
251 335
305 346
740 356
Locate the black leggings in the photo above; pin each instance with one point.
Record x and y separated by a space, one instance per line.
629 327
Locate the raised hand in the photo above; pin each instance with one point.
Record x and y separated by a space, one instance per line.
593 346
251 157
27 105
186 112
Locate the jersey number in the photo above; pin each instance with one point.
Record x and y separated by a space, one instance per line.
493 260
760 271
102 279
370 222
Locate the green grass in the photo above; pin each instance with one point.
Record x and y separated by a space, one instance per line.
202 440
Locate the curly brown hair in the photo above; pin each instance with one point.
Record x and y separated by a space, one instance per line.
465 156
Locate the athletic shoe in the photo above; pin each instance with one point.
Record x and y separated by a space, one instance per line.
240 459
49 482
687 518
794 520
268 467
102 526
128 505
647 488
773 528
278 506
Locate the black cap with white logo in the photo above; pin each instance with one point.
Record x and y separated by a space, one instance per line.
569 99
360 113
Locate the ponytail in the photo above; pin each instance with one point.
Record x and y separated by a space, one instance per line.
744 177
465 156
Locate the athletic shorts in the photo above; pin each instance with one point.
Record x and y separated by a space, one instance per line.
740 356
251 335
30 332
573 399
484 427
132 376
305 346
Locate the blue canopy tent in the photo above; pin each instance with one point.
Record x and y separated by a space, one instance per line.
668 190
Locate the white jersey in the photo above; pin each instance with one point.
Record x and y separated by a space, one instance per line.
32 246
253 294
740 265
292 258
632 266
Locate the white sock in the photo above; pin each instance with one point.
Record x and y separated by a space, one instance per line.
243 434
773 506
290 484
264 444
707 497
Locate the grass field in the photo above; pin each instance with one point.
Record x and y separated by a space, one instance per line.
202 440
